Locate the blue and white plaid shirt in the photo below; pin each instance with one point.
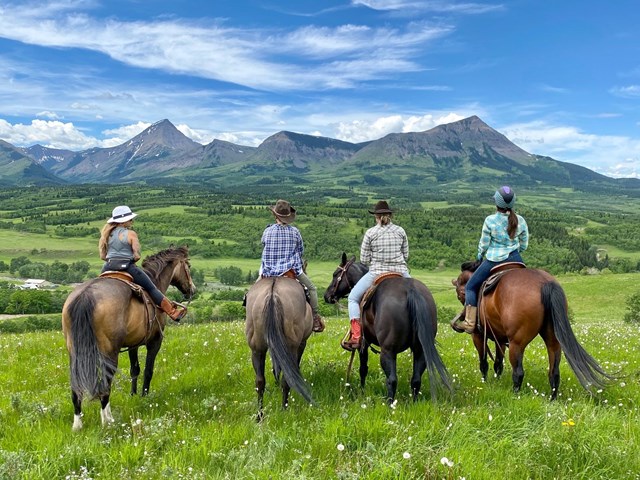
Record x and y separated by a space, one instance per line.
495 241
283 249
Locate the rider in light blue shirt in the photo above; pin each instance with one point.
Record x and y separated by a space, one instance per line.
504 235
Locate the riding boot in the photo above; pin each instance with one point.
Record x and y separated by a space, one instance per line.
174 310
318 323
470 315
458 322
353 343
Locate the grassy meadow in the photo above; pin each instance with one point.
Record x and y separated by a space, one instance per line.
198 421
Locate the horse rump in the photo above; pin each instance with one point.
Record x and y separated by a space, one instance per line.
91 371
281 356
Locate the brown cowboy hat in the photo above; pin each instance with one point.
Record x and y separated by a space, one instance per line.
284 211
381 208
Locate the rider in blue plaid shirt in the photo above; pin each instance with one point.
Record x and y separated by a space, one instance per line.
282 252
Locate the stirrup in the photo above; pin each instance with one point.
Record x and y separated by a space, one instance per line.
350 345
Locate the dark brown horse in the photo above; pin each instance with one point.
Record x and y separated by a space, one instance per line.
525 303
103 316
278 320
401 314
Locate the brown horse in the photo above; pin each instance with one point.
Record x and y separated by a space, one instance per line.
401 314
278 320
525 303
103 316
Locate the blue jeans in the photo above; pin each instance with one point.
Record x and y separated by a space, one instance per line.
359 290
481 274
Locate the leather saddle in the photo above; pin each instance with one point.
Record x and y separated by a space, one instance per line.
125 278
496 274
368 295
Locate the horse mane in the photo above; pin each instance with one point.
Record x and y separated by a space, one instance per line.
154 264
470 266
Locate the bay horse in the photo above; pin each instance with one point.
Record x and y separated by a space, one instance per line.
278 320
400 315
527 302
103 316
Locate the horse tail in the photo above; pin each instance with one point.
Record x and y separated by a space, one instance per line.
91 371
281 357
588 371
424 325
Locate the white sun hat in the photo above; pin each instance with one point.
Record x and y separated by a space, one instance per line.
121 214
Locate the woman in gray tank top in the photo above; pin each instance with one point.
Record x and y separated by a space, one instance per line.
120 248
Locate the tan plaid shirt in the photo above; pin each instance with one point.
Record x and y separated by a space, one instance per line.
385 249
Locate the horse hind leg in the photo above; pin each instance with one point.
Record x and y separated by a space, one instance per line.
364 365
258 360
388 363
105 412
76 399
555 353
419 366
516 354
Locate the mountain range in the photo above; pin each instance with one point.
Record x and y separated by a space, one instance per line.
468 150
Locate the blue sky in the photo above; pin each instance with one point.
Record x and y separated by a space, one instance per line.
558 78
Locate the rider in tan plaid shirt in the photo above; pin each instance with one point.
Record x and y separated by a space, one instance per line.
385 248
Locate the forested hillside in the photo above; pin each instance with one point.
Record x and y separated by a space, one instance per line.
442 233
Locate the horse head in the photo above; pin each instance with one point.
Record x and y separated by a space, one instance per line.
466 271
173 267
344 278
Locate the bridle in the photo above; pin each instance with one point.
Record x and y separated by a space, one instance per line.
343 273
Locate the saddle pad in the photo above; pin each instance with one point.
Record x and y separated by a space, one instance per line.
374 286
125 278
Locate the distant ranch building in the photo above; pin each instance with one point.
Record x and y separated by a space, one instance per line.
34 284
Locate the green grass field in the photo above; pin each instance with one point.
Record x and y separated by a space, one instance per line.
198 421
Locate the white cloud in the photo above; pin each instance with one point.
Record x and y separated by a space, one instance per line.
358 131
118 136
53 134
630 91
611 155
441 6
47 114
245 57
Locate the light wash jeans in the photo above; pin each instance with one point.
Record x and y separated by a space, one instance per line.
359 290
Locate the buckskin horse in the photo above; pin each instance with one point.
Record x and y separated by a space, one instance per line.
103 316
278 320
400 314
524 303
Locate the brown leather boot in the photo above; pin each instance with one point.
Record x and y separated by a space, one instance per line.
470 315
318 323
355 335
174 310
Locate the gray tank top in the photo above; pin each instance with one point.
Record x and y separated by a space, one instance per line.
119 246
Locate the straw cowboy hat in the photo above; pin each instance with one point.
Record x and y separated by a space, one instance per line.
381 208
121 214
284 211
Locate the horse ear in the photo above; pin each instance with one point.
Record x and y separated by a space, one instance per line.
454 282
344 259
